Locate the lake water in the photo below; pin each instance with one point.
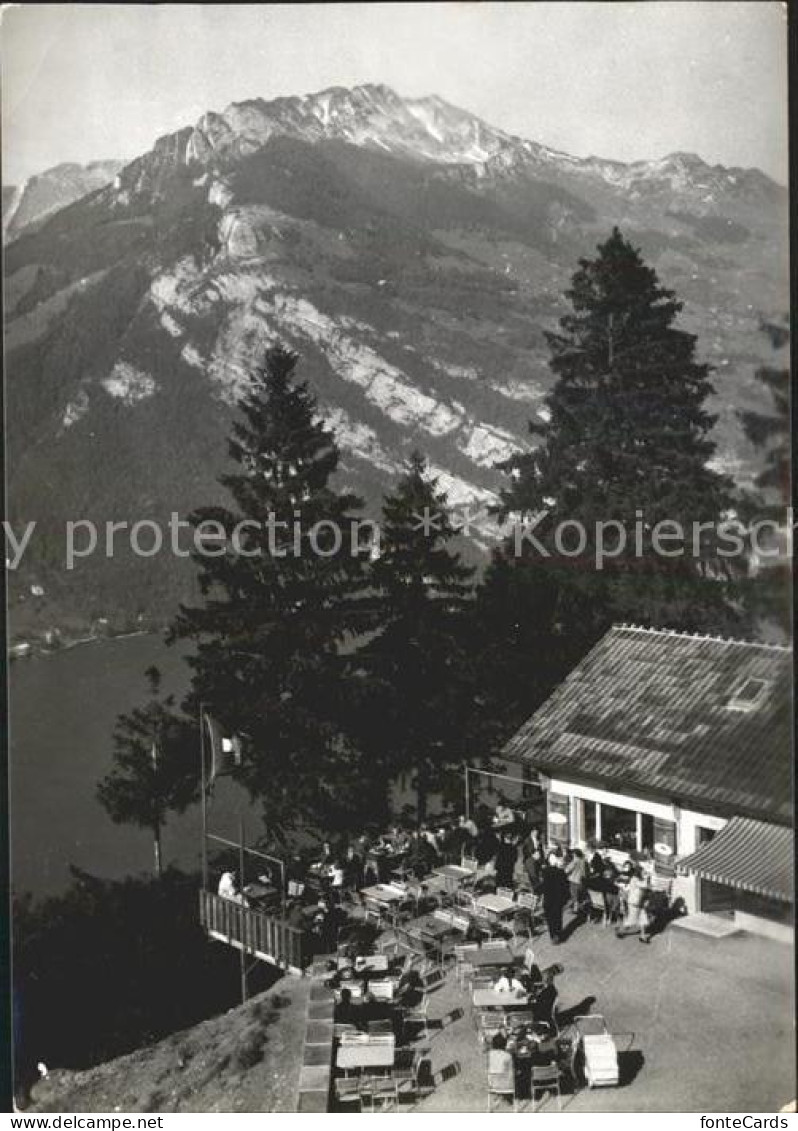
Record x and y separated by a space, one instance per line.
62 712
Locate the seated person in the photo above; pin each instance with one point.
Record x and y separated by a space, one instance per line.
544 1046
544 1004
468 826
500 1061
346 1012
409 989
228 889
295 916
429 836
509 983
503 815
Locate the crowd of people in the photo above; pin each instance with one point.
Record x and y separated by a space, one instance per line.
505 850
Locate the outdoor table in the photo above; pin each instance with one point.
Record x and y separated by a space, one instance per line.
435 930
494 999
384 992
454 875
480 959
366 964
366 1054
385 860
259 893
498 905
385 893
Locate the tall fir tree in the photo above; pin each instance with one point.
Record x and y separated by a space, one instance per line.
627 440
279 607
624 438
769 592
155 767
419 692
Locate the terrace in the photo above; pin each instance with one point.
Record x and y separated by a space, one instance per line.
687 1022
697 1023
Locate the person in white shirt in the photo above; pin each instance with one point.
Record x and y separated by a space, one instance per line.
227 885
228 889
503 815
508 983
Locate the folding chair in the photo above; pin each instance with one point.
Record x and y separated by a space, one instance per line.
385 1092
417 1015
522 925
375 1028
501 1084
597 907
545 1078
374 911
347 1090
506 893
382 990
462 966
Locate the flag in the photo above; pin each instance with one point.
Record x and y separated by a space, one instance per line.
222 753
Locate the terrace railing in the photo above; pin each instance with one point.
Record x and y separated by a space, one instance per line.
260 935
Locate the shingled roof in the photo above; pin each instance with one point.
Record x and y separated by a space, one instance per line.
698 720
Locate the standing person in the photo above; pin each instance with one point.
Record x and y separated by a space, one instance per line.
577 871
506 856
635 918
545 1003
555 897
533 854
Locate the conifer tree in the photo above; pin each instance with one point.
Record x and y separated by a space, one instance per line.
624 437
155 766
415 712
279 602
627 440
769 591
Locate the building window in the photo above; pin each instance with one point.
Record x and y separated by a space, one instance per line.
619 827
748 695
559 823
703 835
664 840
588 822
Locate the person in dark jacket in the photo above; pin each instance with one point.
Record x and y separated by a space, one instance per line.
506 856
555 896
545 1002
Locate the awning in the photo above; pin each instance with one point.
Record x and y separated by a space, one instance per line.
750 855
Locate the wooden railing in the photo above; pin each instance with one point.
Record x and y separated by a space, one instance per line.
261 935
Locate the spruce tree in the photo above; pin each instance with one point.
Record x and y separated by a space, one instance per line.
770 590
280 605
420 694
627 440
155 766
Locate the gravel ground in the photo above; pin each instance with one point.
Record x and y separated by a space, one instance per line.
700 1024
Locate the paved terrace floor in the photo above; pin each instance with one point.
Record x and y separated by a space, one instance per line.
700 1024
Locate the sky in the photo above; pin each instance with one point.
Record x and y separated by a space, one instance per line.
622 80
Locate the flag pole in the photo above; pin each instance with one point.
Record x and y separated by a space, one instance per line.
243 951
204 799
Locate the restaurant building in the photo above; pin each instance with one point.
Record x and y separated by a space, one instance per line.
678 746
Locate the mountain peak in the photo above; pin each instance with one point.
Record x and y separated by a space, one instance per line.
426 128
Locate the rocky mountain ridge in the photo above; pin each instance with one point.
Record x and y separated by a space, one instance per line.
413 256
45 193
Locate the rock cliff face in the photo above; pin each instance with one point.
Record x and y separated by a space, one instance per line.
40 196
412 254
